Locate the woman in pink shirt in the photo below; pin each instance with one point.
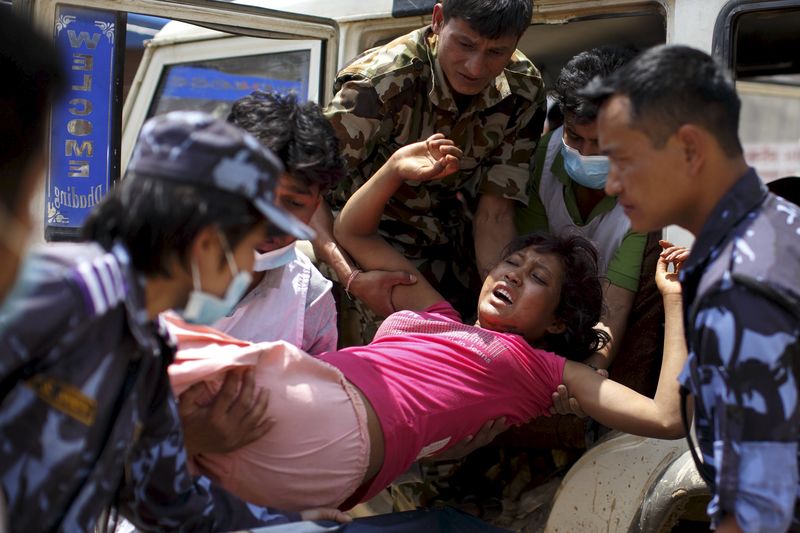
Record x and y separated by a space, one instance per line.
350 421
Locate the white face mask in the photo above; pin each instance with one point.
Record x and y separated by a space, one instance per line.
204 308
275 258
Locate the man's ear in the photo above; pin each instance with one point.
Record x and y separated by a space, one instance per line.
437 21
205 249
694 143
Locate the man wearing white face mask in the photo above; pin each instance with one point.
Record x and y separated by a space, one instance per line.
568 178
289 298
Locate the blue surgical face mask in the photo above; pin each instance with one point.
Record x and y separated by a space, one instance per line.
204 308
588 170
274 258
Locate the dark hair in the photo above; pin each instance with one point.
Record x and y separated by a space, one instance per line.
32 76
787 188
579 71
157 219
581 301
555 117
491 18
672 85
299 134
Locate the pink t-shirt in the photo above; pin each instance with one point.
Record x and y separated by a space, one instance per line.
433 380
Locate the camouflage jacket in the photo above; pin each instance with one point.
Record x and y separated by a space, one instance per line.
742 318
395 95
88 418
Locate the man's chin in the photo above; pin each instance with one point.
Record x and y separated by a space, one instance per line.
468 90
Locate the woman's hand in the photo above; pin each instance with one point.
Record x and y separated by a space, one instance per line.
666 281
431 159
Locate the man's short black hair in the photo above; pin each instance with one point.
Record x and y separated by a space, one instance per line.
32 76
491 18
672 85
299 134
579 71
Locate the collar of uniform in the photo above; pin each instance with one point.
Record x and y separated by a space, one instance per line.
441 94
142 328
745 195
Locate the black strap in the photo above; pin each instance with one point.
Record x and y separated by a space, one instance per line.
703 469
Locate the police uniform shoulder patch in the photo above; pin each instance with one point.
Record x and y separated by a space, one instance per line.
64 397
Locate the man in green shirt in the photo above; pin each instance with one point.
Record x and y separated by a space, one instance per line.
568 178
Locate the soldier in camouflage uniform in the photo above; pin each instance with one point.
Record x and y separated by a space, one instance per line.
461 76
88 418
669 124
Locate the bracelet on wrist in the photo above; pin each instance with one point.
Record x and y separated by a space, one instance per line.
353 275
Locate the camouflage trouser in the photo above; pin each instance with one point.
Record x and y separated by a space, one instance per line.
456 280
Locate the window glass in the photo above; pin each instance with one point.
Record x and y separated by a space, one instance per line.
212 85
550 46
767 68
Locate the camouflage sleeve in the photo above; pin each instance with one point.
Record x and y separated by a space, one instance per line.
356 113
160 494
750 370
506 172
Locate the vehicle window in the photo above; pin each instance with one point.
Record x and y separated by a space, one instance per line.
550 46
212 85
188 67
767 68
115 56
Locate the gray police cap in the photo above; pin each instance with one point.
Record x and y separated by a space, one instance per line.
195 148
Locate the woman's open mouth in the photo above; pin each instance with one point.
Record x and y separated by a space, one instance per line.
503 295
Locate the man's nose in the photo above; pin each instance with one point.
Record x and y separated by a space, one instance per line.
474 65
589 148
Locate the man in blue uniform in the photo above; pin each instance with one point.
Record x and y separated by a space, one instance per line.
669 124
88 418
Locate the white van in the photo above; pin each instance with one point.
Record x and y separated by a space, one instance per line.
214 51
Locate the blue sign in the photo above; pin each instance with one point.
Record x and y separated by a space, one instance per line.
81 132
197 83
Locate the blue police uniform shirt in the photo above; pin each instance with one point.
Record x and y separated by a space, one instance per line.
88 418
741 315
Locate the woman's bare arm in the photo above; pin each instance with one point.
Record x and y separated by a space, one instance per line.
356 227
619 407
